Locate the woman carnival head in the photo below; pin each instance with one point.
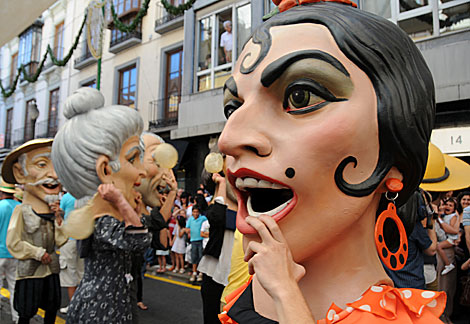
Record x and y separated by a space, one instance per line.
98 145
325 104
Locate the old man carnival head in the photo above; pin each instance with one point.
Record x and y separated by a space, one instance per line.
31 165
326 102
151 184
98 145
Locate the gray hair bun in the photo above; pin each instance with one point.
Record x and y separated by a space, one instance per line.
83 100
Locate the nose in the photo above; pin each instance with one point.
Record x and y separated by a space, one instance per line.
245 133
51 172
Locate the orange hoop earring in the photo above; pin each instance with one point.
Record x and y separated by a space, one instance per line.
393 260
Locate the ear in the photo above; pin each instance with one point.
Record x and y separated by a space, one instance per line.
18 173
394 173
103 169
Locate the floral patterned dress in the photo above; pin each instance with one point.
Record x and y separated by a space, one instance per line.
103 295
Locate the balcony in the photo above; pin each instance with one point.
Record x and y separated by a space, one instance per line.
43 129
165 21
84 60
121 41
163 113
46 129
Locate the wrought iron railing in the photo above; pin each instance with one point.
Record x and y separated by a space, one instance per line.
121 37
44 129
162 16
84 56
47 128
164 112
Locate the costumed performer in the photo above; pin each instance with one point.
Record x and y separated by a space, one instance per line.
35 230
98 149
330 110
156 178
215 262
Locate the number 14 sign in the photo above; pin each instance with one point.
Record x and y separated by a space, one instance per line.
455 141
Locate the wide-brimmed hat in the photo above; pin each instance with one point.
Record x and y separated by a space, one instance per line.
6 187
445 172
12 157
18 194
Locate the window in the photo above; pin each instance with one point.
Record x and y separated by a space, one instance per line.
91 84
52 121
29 48
59 41
13 68
127 86
28 120
423 18
378 7
174 68
8 126
217 50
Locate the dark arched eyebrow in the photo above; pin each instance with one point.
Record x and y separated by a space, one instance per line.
231 86
276 68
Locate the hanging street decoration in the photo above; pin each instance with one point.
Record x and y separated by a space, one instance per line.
33 78
95 27
133 25
177 10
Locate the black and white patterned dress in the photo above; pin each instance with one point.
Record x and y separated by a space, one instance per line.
103 295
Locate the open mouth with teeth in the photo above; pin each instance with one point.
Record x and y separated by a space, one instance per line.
260 195
51 189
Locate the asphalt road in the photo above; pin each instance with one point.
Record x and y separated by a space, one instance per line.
170 300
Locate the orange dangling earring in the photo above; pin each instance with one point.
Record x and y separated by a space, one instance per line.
393 260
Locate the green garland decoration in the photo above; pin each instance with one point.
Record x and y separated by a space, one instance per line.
179 10
55 61
133 25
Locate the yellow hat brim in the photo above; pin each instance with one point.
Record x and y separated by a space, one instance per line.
459 176
12 157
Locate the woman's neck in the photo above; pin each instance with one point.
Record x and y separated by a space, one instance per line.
339 274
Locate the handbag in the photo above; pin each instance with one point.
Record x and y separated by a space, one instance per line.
465 296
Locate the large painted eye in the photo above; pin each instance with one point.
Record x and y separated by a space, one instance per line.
306 95
230 107
301 98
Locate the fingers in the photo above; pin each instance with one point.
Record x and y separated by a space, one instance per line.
261 228
273 228
252 248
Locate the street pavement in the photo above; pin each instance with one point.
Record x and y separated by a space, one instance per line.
170 298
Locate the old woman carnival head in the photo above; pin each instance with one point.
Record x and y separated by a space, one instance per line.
91 133
326 102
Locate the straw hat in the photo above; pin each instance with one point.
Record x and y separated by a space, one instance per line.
445 172
12 157
6 187
18 193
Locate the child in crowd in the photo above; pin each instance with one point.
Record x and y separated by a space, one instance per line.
449 223
193 227
178 243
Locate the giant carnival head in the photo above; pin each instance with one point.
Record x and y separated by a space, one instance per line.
325 104
30 165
